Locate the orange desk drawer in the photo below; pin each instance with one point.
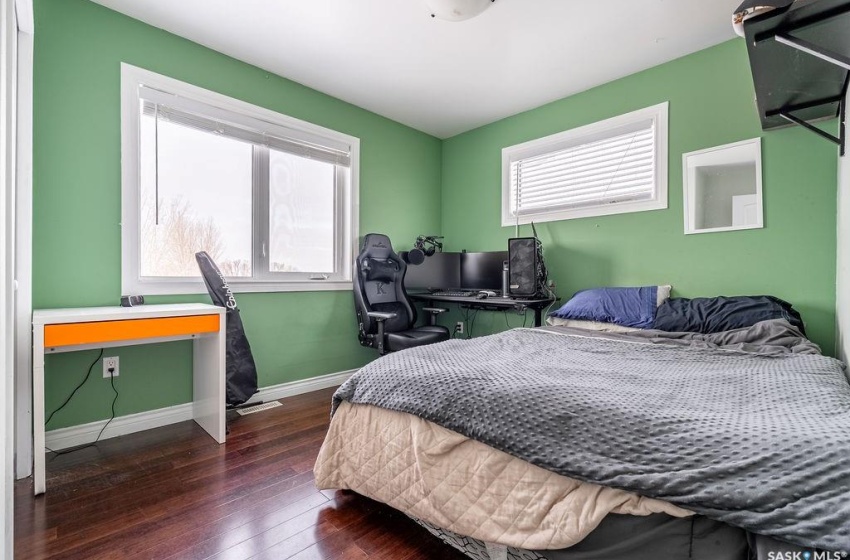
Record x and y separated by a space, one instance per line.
72 334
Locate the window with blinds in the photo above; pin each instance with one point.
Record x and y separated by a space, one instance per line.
614 166
270 198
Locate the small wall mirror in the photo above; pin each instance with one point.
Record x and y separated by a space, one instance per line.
723 188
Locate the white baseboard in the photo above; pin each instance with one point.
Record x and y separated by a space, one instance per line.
292 388
64 438
121 425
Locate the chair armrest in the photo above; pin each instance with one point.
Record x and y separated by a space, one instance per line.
434 310
381 316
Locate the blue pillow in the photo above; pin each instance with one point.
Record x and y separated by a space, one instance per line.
630 307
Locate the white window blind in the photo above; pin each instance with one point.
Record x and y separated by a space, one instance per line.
586 171
611 170
200 116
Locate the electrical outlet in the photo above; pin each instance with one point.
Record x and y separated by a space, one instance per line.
459 327
110 363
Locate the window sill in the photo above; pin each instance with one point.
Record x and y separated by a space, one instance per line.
589 212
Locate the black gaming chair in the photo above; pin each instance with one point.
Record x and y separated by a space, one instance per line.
384 312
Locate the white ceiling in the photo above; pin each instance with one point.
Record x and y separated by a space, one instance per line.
391 57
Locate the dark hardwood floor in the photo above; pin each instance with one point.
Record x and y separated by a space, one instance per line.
174 493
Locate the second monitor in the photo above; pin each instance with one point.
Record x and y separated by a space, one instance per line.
482 271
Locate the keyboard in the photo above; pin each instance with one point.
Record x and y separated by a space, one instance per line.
449 293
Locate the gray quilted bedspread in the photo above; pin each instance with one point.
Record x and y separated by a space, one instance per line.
760 440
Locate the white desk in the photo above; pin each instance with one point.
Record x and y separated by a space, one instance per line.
67 330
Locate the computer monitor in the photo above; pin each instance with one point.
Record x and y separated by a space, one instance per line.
440 271
482 271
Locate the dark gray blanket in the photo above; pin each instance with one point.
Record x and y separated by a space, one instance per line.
759 440
767 338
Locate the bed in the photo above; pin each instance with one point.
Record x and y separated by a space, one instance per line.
570 444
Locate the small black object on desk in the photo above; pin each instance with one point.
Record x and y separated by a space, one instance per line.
132 301
491 303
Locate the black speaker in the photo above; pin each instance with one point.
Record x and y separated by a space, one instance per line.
522 265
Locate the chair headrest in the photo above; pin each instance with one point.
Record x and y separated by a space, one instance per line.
376 246
380 270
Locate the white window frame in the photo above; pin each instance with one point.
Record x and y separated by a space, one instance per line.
132 282
576 137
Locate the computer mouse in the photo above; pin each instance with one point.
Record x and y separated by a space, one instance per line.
483 294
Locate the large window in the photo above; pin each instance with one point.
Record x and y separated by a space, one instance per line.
272 199
610 167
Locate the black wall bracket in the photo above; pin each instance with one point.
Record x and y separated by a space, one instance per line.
787 114
801 88
833 58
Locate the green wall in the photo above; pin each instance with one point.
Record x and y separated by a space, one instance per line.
454 185
711 103
77 205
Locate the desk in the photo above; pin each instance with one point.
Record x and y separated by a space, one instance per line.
491 303
68 330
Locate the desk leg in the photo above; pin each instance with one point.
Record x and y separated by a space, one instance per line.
38 451
208 383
